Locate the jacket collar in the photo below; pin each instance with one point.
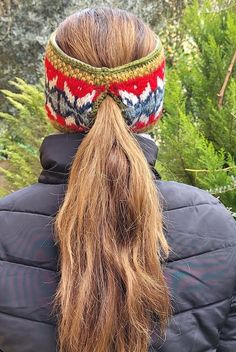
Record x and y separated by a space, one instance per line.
58 150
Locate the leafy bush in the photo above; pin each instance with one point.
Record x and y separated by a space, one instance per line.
197 137
21 133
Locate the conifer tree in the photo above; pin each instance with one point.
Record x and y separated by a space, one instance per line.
197 136
21 133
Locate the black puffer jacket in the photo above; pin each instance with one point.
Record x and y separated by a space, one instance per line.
201 270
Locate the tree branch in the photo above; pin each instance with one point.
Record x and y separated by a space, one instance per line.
222 91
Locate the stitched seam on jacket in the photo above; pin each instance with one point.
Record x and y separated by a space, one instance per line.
202 235
191 206
25 212
199 254
20 317
27 265
203 306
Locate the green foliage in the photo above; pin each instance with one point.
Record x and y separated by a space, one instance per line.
197 139
21 134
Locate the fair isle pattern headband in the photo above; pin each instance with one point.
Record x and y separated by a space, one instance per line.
74 90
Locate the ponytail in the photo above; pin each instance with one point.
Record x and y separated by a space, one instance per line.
110 238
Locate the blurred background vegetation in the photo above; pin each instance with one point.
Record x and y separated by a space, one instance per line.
197 132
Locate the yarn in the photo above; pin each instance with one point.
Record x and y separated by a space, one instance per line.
74 90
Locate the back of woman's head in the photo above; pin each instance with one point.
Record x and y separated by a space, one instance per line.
105 37
109 227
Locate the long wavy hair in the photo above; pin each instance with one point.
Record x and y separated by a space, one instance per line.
109 228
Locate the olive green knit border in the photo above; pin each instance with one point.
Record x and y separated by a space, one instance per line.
76 63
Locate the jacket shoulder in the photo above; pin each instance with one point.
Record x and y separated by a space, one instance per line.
193 211
178 195
38 198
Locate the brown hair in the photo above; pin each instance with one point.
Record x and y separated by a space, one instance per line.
109 227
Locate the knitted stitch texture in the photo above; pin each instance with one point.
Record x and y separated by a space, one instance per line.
74 90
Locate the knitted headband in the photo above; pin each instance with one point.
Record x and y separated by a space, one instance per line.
74 90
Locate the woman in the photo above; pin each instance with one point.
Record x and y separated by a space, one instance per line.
101 255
